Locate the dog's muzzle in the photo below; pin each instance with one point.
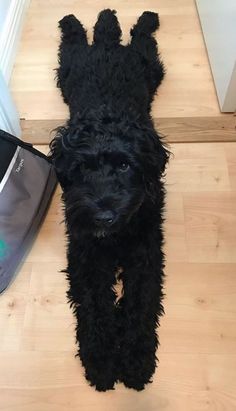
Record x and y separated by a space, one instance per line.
104 219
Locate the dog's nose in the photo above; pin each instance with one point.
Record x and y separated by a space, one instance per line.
105 217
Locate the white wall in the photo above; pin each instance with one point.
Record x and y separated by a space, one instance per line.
10 33
218 20
12 13
4 7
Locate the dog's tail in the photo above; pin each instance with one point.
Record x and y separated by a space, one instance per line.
72 30
107 29
147 23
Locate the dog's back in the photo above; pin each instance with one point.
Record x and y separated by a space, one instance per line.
124 78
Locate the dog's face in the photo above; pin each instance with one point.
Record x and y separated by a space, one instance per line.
106 185
104 177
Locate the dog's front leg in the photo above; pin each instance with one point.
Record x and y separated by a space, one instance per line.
140 311
92 298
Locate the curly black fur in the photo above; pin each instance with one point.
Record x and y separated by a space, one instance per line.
110 161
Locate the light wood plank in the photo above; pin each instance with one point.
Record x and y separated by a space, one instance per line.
175 130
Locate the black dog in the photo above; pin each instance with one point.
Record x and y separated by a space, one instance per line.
110 161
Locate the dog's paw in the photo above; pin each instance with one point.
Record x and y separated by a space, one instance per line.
135 383
101 380
150 20
67 22
137 372
103 386
100 383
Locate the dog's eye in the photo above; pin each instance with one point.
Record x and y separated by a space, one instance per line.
84 167
124 166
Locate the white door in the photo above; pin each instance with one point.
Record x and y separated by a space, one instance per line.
12 13
218 20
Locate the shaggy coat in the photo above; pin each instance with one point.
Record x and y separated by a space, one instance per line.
110 161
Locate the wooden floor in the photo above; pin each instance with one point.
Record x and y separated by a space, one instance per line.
187 107
197 370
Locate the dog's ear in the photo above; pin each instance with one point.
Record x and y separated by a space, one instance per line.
154 157
59 156
155 152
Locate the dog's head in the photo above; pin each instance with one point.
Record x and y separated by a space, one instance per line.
107 169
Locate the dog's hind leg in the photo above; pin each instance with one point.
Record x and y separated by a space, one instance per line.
107 30
72 30
147 24
145 44
73 41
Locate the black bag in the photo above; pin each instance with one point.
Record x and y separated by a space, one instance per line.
27 182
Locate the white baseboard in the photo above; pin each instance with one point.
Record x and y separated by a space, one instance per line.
10 35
